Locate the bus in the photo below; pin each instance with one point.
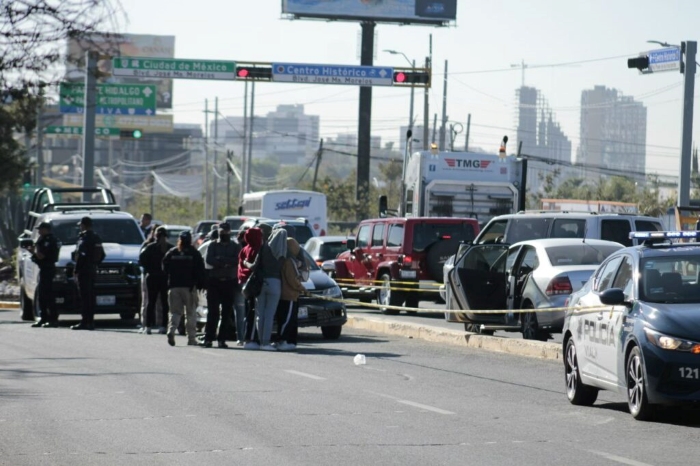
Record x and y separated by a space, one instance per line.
288 204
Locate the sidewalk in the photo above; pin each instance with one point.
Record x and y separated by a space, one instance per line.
394 326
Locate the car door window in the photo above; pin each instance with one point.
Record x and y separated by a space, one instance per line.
568 228
616 230
624 277
363 236
647 225
525 229
378 235
606 275
493 232
395 238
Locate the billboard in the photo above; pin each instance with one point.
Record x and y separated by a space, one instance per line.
392 11
126 45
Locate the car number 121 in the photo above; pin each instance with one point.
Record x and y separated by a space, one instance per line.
689 373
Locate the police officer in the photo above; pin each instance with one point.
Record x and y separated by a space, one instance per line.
222 256
45 254
87 255
151 259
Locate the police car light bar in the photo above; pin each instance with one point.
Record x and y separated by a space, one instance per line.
664 234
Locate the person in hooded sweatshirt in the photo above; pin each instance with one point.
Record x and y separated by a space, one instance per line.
272 255
254 240
288 307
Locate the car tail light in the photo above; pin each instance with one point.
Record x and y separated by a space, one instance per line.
559 286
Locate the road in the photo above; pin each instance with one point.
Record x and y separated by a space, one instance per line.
434 319
113 396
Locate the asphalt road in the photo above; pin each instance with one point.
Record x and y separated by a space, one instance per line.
433 318
113 396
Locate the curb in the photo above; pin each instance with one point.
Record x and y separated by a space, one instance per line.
527 348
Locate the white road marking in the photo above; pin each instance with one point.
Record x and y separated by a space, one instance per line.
304 374
619 459
416 405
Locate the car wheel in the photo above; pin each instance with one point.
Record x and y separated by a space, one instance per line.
127 315
412 302
639 405
577 393
476 328
530 328
26 306
331 332
387 297
366 300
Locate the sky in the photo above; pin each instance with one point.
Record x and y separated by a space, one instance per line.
568 46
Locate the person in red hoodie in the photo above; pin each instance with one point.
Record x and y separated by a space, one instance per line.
254 241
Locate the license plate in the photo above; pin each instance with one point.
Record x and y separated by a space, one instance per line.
303 312
106 300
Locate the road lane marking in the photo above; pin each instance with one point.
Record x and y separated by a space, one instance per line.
619 459
416 405
304 374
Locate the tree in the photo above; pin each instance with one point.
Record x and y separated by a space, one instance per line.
391 174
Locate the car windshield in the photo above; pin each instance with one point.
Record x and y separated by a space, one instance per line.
670 279
425 234
235 223
204 227
113 230
173 232
579 254
331 250
302 233
310 263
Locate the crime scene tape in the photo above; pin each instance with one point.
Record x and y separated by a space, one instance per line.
351 281
578 310
392 288
9 305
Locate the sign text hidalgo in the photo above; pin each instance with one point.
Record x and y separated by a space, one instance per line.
118 99
173 68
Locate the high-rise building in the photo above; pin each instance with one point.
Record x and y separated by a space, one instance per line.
613 134
541 136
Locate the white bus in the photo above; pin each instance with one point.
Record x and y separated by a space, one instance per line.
289 204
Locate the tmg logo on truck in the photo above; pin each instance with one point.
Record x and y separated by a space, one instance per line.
293 204
467 163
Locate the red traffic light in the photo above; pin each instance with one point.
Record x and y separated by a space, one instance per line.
400 77
243 73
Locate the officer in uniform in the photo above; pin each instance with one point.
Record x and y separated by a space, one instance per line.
88 254
45 254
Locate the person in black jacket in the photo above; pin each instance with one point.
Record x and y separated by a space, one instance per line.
87 255
184 268
222 256
45 254
151 259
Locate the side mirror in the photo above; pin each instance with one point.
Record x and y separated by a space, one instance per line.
383 206
351 244
24 243
328 266
612 297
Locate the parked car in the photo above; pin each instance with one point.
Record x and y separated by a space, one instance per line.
537 274
299 229
528 225
235 222
201 229
644 343
323 248
175 230
390 255
313 311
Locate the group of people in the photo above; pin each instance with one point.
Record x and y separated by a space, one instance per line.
173 275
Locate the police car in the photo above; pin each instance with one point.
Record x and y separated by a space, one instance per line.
637 327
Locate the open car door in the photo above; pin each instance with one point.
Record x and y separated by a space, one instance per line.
478 282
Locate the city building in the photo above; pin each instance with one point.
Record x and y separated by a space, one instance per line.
542 138
613 134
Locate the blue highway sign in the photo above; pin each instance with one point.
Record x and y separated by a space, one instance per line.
668 59
332 74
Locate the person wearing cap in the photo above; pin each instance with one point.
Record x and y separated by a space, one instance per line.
87 255
151 259
222 256
184 268
45 254
292 287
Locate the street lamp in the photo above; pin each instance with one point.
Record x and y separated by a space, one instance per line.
413 68
662 44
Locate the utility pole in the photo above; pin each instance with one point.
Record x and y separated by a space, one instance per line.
434 128
244 162
443 128
229 172
690 49
215 194
153 191
319 154
413 92
89 122
206 158
250 137
40 143
426 112
466 141
364 127
522 197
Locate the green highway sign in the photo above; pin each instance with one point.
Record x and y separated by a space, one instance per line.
78 130
112 99
173 68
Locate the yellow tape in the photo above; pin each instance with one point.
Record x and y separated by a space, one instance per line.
381 282
9 305
582 310
393 288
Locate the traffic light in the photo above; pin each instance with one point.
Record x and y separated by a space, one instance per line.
412 78
641 63
254 73
130 134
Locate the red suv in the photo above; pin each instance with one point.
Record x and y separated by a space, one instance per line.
389 255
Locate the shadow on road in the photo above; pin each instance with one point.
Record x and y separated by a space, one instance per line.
682 416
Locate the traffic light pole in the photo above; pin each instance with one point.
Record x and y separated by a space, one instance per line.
364 128
687 136
89 122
